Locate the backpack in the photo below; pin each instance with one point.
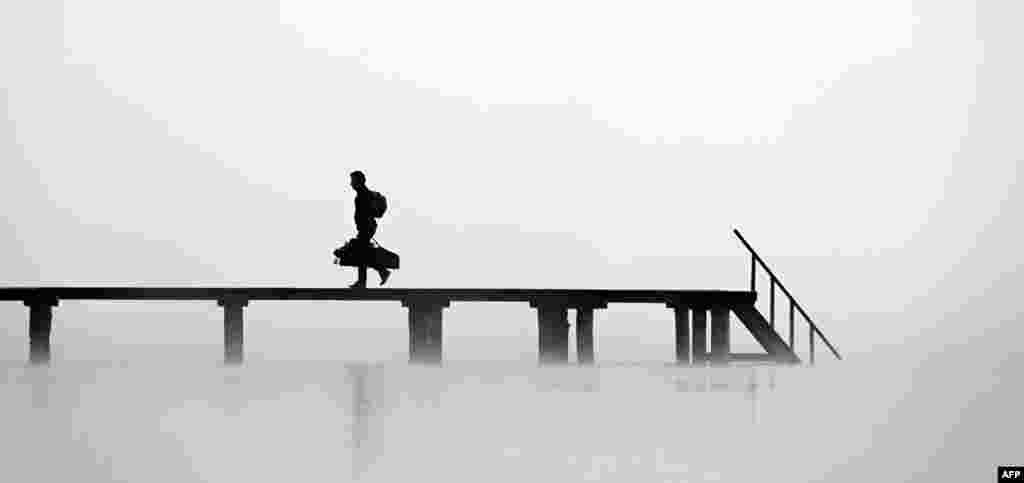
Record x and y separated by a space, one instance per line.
379 203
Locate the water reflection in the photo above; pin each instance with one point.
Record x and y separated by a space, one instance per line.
358 374
41 383
465 421
457 395
401 420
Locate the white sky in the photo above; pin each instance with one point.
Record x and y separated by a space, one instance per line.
722 70
575 100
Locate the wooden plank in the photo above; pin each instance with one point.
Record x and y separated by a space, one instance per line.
588 296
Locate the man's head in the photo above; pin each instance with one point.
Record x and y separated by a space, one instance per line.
358 180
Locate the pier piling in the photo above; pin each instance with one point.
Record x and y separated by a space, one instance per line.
233 328
682 316
585 336
719 335
425 329
552 331
700 335
40 323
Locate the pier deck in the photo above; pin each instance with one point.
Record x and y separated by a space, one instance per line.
425 315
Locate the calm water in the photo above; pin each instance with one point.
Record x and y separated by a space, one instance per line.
878 419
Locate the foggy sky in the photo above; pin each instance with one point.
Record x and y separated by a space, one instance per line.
869 150
865 150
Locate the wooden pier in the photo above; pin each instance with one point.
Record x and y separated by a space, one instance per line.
693 309
426 307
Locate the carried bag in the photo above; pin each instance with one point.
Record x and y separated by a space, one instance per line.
345 254
384 257
352 255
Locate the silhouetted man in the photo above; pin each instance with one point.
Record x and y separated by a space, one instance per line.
366 227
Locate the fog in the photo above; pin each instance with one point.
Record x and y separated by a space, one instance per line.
183 421
869 151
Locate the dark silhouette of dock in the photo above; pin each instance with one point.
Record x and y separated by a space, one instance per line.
701 316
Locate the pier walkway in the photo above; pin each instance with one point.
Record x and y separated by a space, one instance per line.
702 317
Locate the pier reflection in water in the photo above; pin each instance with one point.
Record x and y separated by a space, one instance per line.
454 418
485 421
333 421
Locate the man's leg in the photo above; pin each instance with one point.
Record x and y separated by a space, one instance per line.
363 238
382 272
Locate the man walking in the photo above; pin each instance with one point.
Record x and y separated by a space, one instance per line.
366 226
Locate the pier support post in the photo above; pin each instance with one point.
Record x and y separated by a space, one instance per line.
233 328
40 321
425 329
585 336
700 335
585 331
719 335
552 331
682 315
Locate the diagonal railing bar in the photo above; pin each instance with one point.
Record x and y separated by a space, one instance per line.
813 329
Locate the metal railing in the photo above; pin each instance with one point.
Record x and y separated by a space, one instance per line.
813 330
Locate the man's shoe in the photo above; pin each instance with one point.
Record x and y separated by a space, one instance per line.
384 274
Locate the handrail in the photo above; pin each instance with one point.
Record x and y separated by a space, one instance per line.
754 261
